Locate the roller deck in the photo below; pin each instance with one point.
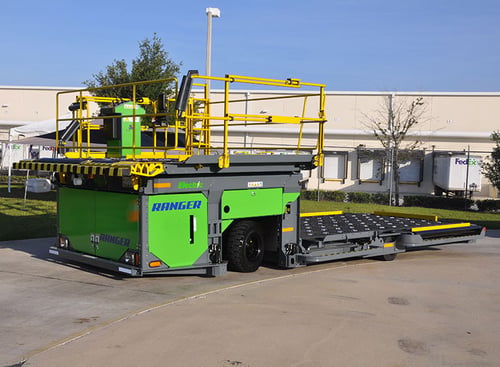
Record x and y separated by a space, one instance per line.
341 235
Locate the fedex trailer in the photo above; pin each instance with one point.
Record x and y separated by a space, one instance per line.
456 172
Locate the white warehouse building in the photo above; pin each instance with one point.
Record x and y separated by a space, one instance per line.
455 127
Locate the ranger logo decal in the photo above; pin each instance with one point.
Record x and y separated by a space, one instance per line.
117 240
176 205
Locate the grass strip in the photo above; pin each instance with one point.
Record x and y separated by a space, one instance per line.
37 217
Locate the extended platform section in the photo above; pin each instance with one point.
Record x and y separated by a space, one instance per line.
331 236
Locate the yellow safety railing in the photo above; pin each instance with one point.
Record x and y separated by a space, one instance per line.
86 117
202 127
229 118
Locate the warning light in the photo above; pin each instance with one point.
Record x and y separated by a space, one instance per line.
154 264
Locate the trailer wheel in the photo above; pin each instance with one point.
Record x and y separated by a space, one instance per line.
388 257
245 246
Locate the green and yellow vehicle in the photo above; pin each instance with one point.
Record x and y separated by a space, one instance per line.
164 185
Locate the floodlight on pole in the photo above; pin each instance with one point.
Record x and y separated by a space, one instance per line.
211 13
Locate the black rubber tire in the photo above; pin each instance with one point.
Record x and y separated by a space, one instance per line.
388 257
244 246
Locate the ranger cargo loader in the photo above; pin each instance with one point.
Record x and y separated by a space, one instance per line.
153 185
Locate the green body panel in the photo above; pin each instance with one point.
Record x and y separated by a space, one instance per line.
99 223
178 228
130 128
290 197
76 218
252 203
287 198
225 224
117 224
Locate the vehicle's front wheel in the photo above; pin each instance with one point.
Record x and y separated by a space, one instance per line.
244 246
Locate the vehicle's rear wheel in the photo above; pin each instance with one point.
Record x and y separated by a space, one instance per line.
244 246
388 257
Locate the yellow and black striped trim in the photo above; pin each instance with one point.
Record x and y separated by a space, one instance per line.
124 168
99 169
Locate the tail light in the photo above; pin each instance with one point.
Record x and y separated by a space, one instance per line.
131 258
63 241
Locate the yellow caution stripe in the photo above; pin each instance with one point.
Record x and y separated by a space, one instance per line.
434 218
444 226
85 168
89 167
318 214
288 229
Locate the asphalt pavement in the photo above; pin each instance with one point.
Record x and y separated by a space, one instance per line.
434 307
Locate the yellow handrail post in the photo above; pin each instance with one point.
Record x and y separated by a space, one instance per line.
87 123
224 159
318 160
302 124
206 122
57 122
134 91
79 135
189 129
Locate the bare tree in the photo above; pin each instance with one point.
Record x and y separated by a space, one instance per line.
390 125
492 169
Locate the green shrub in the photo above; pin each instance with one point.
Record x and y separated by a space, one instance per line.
338 196
306 195
489 205
381 198
438 202
352 197
414 200
359 197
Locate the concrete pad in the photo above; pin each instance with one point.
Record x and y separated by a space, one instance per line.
43 301
436 307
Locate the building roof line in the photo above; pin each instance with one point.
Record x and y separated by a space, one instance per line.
28 87
362 133
291 92
359 93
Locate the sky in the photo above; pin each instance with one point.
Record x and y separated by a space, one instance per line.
350 45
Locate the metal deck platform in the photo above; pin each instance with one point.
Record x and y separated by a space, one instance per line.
319 231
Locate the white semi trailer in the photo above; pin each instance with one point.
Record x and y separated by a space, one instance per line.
456 172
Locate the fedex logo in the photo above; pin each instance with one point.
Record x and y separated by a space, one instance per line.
465 161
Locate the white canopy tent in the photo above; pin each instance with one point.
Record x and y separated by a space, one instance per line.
22 139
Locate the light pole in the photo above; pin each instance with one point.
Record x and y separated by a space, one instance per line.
211 13
390 153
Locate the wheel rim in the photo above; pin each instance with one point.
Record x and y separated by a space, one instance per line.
252 247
